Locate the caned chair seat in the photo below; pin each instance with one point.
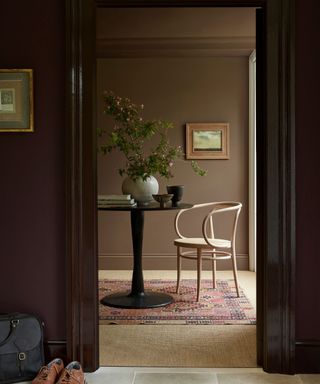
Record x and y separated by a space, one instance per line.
209 247
195 242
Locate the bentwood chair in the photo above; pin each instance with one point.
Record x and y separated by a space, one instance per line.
208 247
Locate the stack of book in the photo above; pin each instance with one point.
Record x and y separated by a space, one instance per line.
106 201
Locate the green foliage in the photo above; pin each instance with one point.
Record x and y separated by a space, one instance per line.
129 135
197 169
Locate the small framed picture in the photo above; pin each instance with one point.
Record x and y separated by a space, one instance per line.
16 100
207 141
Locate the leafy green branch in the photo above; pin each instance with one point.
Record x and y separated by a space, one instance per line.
130 134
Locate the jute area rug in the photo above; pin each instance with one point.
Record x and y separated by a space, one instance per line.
218 306
197 346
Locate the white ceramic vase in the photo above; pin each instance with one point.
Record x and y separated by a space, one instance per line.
141 190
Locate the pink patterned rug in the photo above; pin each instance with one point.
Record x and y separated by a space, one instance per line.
219 306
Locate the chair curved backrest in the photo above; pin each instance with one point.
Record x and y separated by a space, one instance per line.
207 223
221 207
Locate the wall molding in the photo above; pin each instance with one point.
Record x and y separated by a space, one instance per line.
81 194
159 261
175 47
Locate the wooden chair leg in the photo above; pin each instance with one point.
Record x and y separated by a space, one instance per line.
178 269
199 270
214 269
235 272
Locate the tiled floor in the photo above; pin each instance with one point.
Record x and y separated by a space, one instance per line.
108 375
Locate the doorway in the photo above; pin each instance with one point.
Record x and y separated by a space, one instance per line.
275 183
184 65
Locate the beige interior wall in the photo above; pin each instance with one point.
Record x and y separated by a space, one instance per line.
181 90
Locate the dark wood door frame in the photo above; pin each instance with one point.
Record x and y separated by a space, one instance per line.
276 179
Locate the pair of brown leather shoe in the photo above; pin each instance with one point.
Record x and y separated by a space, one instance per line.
56 373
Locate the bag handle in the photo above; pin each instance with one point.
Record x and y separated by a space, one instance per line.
13 325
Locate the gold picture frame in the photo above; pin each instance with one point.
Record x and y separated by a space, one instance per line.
207 141
16 100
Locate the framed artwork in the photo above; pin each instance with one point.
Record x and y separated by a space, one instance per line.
16 100
207 141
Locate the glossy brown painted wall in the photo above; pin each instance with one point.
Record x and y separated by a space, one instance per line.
307 163
32 235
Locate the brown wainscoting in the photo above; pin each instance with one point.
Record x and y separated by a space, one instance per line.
307 356
166 261
54 348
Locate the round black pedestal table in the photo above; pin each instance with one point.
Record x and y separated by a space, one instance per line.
138 297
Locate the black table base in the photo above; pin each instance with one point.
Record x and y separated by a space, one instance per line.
147 299
138 297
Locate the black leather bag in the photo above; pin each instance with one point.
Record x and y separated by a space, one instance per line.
21 347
